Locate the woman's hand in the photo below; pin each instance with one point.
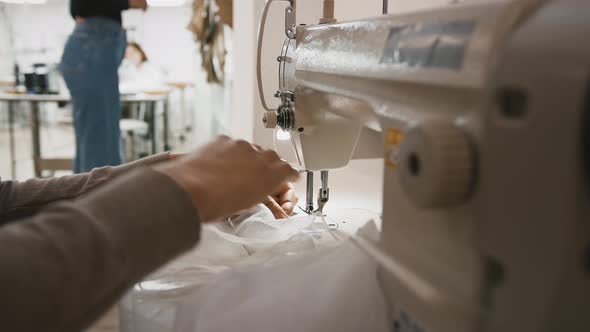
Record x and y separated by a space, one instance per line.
283 202
227 176
174 156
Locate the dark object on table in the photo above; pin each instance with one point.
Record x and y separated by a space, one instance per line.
16 72
41 79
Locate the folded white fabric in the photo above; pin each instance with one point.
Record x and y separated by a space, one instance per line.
334 289
254 239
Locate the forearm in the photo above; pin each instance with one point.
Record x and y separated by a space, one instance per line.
72 261
20 199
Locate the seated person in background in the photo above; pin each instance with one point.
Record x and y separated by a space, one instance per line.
137 73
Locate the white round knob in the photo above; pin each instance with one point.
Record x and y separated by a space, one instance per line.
437 165
270 119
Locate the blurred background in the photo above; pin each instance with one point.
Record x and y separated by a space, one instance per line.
32 38
198 87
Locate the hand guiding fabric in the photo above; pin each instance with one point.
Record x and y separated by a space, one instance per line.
227 176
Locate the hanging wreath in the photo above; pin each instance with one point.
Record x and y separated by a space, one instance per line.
207 26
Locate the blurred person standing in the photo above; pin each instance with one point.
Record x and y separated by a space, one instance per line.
90 62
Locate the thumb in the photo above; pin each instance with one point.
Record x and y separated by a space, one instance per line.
275 208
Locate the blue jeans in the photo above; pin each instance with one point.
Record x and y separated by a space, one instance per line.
89 65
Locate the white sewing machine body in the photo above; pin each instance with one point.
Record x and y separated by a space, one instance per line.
478 110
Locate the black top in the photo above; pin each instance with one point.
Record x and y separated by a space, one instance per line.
105 8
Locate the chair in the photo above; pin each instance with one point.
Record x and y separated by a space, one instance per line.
133 130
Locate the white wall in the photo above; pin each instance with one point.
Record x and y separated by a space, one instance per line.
404 6
38 33
162 32
244 95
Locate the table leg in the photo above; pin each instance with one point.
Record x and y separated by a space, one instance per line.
165 115
182 112
152 107
11 138
189 127
36 137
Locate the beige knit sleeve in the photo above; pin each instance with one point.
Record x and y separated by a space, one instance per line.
23 199
62 268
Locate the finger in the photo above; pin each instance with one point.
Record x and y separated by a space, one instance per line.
223 138
275 208
285 173
288 200
292 174
270 156
289 207
287 196
245 145
174 156
285 186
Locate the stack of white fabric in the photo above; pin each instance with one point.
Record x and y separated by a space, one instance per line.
262 275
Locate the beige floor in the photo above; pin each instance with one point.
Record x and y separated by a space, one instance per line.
56 141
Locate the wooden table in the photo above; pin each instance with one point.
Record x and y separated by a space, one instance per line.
46 164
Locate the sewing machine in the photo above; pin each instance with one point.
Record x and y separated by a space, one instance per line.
481 112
